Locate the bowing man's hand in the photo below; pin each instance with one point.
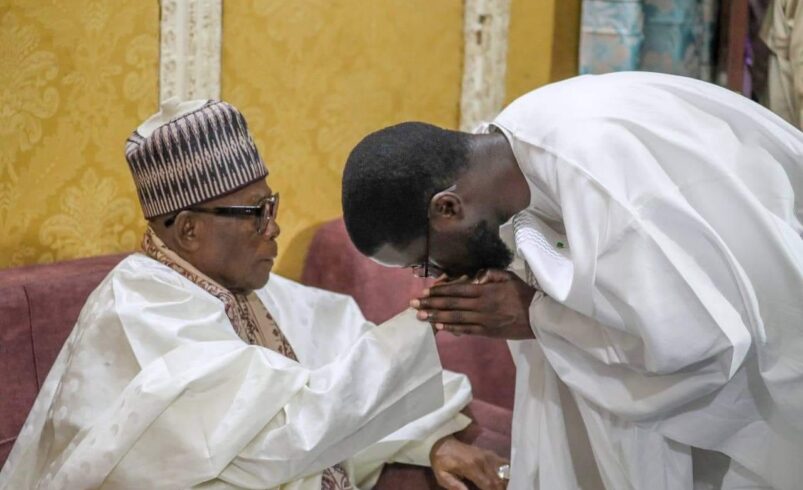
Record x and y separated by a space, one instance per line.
494 304
453 461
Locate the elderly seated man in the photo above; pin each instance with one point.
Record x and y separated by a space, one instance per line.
187 367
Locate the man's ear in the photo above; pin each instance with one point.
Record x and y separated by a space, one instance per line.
445 210
187 231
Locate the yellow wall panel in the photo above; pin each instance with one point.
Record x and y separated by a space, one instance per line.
77 78
313 77
543 42
529 52
566 40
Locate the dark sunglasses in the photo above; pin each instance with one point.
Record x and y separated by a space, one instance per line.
265 212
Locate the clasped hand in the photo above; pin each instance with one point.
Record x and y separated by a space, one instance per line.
494 304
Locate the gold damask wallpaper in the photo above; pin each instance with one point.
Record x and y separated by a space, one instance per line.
314 77
543 44
76 76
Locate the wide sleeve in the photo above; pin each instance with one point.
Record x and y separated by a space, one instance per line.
211 407
307 314
646 308
412 443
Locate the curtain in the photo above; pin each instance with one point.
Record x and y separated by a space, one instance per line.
668 36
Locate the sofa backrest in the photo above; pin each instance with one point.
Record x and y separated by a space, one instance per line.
38 308
334 263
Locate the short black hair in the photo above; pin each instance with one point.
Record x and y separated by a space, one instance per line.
390 177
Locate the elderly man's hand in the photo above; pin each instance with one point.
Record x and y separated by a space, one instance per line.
495 304
453 460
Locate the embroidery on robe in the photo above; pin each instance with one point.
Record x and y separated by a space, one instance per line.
335 478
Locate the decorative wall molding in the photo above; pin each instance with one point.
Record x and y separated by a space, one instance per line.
190 46
189 61
485 32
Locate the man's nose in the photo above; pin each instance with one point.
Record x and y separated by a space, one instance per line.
274 230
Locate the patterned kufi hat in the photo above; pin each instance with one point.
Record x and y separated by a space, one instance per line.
191 152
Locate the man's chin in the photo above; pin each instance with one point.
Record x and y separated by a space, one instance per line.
255 283
261 284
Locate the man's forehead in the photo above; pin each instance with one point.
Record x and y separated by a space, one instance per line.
391 256
258 190
251 193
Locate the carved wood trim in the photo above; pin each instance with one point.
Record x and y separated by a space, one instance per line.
190 45
485 33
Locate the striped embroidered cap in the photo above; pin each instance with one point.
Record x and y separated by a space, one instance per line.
191 152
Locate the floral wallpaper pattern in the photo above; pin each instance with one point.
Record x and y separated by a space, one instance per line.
314 77
75 78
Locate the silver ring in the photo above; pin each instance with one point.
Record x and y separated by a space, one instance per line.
503 472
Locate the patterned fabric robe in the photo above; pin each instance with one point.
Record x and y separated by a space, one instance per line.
250 319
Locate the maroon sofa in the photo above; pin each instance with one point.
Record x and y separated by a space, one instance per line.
39 306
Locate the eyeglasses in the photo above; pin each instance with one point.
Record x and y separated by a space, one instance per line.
265 212
427 269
